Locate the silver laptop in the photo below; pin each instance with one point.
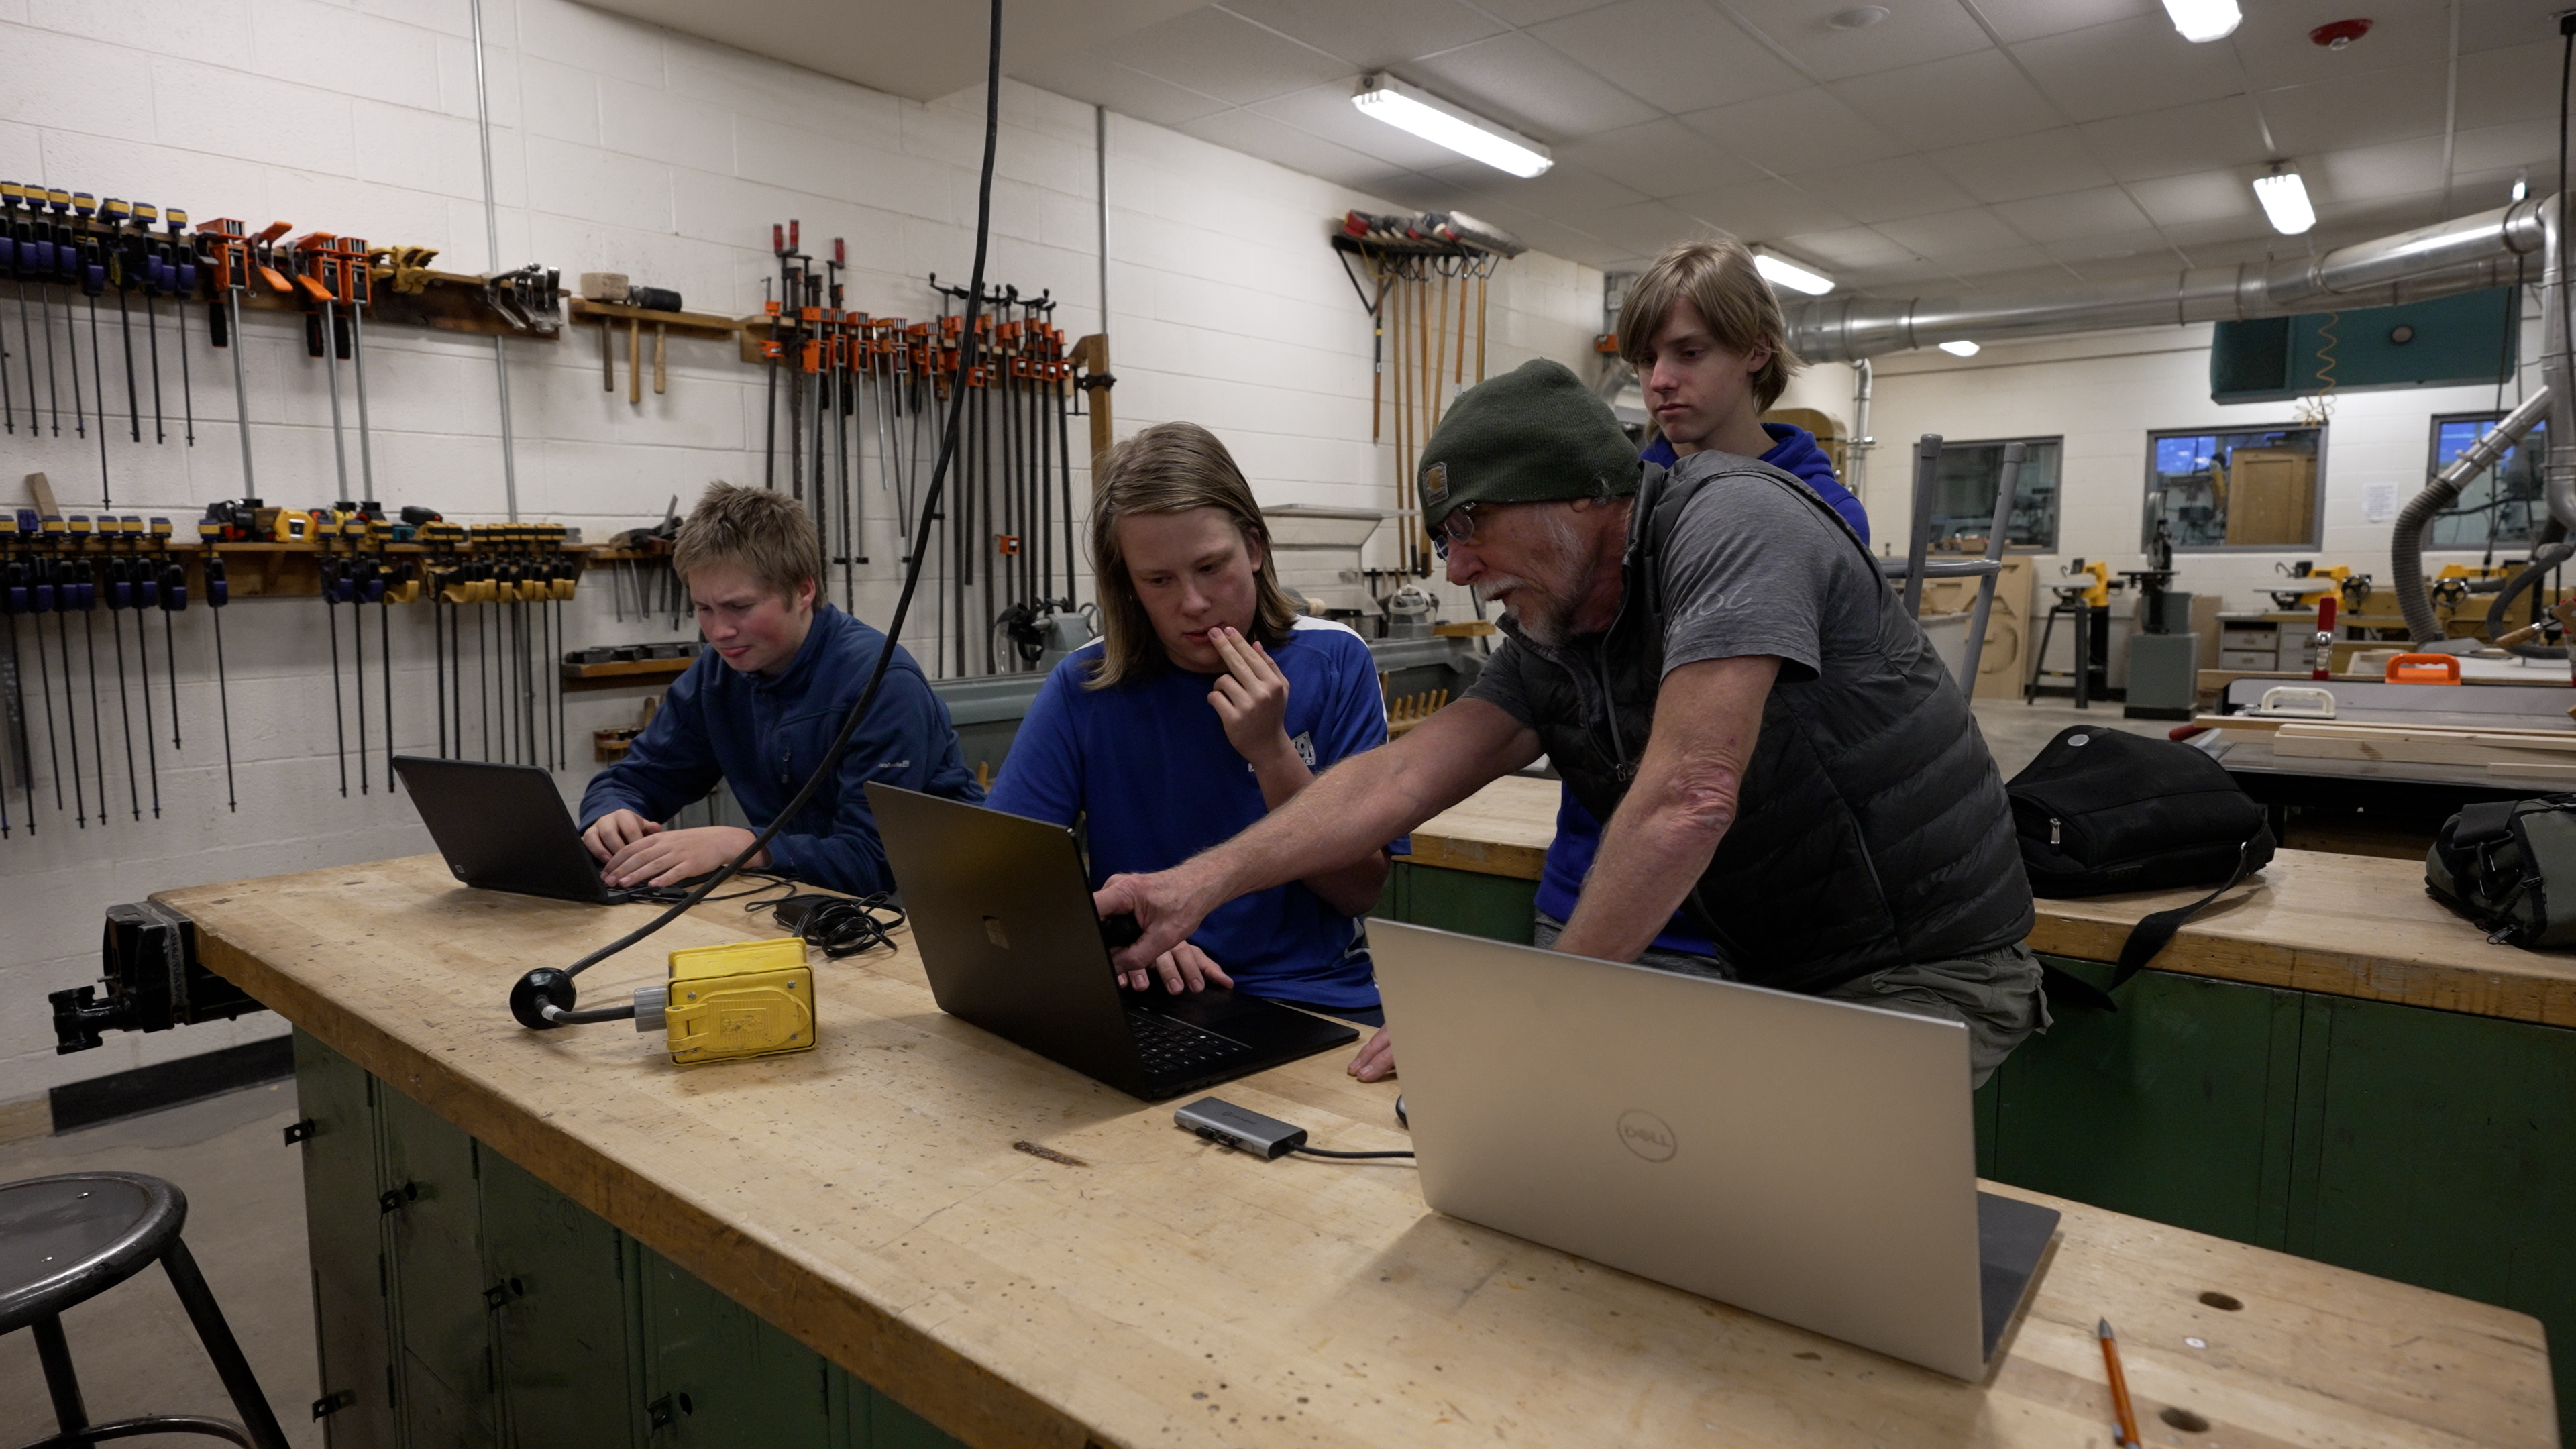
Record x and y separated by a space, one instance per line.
1812 1161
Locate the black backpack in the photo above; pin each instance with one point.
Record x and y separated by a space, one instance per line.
2101 811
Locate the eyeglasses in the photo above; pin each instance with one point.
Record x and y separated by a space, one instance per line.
1458 527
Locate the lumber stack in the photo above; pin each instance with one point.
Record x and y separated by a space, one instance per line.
2532 753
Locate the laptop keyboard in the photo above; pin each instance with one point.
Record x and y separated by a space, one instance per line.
1170 1048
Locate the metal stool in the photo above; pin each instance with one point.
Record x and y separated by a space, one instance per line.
65 1240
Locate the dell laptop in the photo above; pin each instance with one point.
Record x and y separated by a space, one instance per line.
504 828
1810 1160
1001 910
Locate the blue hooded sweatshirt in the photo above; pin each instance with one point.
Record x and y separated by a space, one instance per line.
763 736
1578 835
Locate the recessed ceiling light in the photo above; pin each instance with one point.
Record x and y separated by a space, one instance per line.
1859 17
1407 109
2202 20
2285 202
1960 349
1779 271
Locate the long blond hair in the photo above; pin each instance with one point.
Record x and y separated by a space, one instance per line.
1170 468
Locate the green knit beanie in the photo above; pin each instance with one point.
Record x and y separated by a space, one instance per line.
1534 435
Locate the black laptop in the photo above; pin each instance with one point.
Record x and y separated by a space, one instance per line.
504 828
1001 908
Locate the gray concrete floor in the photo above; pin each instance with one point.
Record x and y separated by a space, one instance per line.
2017 732
132 1345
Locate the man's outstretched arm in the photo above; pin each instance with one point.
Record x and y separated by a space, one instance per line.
1707 717
1355 807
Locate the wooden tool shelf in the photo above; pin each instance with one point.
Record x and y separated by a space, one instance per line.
450 302
286 570
703 324
628 671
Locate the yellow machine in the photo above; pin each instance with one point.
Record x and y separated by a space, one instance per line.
2099 595
748 999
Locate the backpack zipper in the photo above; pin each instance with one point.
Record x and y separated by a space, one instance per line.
2052 832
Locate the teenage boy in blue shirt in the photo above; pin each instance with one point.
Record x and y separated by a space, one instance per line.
1207 703
1706 340
759 709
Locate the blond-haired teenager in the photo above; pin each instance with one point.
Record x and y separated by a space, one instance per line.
758 710
1207 704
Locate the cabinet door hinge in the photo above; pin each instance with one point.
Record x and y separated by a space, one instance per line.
299 1131
395 1197
329 1404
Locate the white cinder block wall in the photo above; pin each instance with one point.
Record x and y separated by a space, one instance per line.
2104 392
616 147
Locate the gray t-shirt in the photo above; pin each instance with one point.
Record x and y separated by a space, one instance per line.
1749 570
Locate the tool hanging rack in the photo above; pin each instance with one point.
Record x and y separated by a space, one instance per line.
1422 342
853 396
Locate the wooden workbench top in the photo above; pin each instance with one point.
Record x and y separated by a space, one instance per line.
872 1198
2345 925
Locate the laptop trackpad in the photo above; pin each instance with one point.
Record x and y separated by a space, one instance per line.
1210 1010
2011 1237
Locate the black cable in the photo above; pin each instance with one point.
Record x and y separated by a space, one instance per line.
1320 1152
838 925
546 996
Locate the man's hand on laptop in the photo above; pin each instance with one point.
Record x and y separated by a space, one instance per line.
1183 968
1376 1061
1166 911
667 857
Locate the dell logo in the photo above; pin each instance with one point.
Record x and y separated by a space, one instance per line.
994 933
1647 1135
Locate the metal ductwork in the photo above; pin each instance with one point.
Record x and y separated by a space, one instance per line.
2466 255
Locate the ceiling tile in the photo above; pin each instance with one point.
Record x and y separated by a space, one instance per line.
1759 210
1326 112
1915 32
1087 77
1372 33
2494 24
1953 234
2502 86
1876 191
2526 143
2017 269
1913 278
2134 65
1973 97
2360 110
1852 246
1678 55
2123 246
2186 138
2198 236
1255 134
1535 12
2102 211
2201 196
1645 228
1521 83
1223 56
2474 191
2274 39
2039 164
1805 130
1566 192
2028 19
2367 173
1659 158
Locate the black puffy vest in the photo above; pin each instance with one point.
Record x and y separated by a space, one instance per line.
1865 839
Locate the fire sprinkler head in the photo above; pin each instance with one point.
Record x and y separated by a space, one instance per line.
2340 33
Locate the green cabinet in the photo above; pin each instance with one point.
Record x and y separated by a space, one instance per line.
2177 1107
2443 1154
1493 906
461 1303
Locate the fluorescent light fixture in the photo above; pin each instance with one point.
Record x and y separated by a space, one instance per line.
1961 348
2202 20
1407 109
1781 272
2285 201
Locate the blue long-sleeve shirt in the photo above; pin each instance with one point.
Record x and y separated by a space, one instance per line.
763 736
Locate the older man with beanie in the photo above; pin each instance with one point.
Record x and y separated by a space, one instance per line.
1709 657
